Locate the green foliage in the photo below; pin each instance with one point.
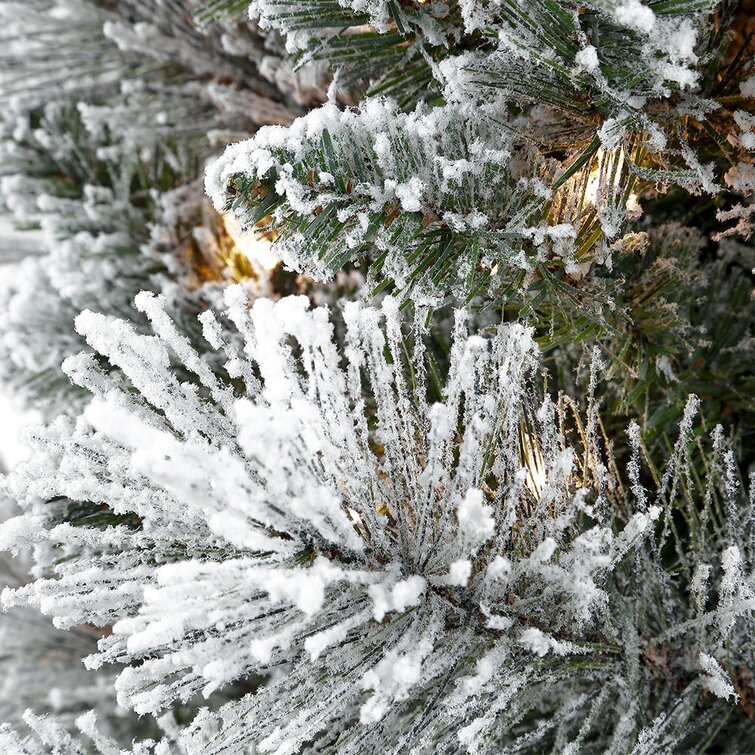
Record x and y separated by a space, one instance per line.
432 201
667 321
390 53
570 166
212 10
650 118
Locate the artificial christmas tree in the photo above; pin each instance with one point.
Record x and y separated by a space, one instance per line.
465 471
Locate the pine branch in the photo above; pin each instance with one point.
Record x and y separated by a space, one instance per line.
510 580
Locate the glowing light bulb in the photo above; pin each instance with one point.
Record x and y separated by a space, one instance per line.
602 173
591 187
256 247
534 464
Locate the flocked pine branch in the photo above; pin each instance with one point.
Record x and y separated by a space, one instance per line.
586 107
586 58
441 205
395 576
433 197
667 321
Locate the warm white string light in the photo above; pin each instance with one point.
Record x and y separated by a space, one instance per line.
598 179
534 464
256 247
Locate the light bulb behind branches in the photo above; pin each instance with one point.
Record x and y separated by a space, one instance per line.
532 459
607 179
255 245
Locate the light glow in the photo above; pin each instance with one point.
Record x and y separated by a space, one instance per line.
534 464
256 247
609 168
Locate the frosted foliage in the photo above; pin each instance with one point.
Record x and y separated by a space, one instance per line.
429 171
546 109
286 16
530 48
105 45
659 50
440 197
41 668
740 178
382 568
95 156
